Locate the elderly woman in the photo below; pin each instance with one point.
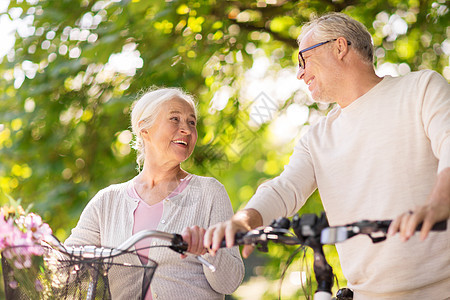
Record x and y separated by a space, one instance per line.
164 197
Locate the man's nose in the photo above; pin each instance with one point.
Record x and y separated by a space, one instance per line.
300 73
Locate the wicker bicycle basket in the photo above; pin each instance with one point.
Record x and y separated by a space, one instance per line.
58 275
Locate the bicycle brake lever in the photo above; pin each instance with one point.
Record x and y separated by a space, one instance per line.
377 239
262 247
257 237
206 263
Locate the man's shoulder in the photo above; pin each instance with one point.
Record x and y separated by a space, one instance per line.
410 85
418 76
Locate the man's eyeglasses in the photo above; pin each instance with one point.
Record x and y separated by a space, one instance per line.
301 60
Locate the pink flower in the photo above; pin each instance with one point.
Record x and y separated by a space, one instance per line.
7 253
18 264
7 229
32 224
13 284
38 285
20 240
20 243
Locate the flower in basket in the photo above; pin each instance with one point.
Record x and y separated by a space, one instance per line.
21 234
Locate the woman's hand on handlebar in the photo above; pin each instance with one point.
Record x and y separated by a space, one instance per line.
242 221
194 237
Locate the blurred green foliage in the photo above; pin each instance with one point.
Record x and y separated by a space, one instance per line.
76 67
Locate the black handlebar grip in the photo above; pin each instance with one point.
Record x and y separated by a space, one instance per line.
439 226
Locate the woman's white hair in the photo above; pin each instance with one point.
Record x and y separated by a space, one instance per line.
145 110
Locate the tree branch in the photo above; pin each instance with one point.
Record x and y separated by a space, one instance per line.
276 36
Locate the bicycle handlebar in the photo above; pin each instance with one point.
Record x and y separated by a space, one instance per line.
338 234
175 239
90 251
314 232
260 236
328 235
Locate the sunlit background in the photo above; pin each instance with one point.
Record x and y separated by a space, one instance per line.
279 84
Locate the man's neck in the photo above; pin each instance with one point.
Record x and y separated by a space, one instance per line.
357 78
357 86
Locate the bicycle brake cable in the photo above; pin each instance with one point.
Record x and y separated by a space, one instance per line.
286 267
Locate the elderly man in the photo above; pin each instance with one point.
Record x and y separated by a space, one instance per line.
382 150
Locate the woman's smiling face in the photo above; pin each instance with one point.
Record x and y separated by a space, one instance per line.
173 136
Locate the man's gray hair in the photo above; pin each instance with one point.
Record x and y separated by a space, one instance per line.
334 25
146 109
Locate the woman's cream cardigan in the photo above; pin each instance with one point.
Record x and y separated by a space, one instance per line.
108 220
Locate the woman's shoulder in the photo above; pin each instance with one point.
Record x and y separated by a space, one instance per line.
210 182
206 185
111 192
207 188
114 188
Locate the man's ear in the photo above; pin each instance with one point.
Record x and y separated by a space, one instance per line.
342 47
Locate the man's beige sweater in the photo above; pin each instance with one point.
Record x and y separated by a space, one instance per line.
375 159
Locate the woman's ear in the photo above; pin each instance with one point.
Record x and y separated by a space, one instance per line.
145 136
140 123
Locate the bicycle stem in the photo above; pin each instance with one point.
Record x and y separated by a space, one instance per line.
323 271
308 229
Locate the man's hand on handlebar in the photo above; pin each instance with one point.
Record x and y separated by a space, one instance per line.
215 234
436 209
406 223
242 221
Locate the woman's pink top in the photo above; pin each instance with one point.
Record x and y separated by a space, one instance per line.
147 217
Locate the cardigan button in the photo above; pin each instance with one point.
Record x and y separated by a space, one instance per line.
163 221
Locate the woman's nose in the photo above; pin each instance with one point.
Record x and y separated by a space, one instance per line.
184 128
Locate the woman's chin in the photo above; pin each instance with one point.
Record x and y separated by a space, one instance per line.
183 158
